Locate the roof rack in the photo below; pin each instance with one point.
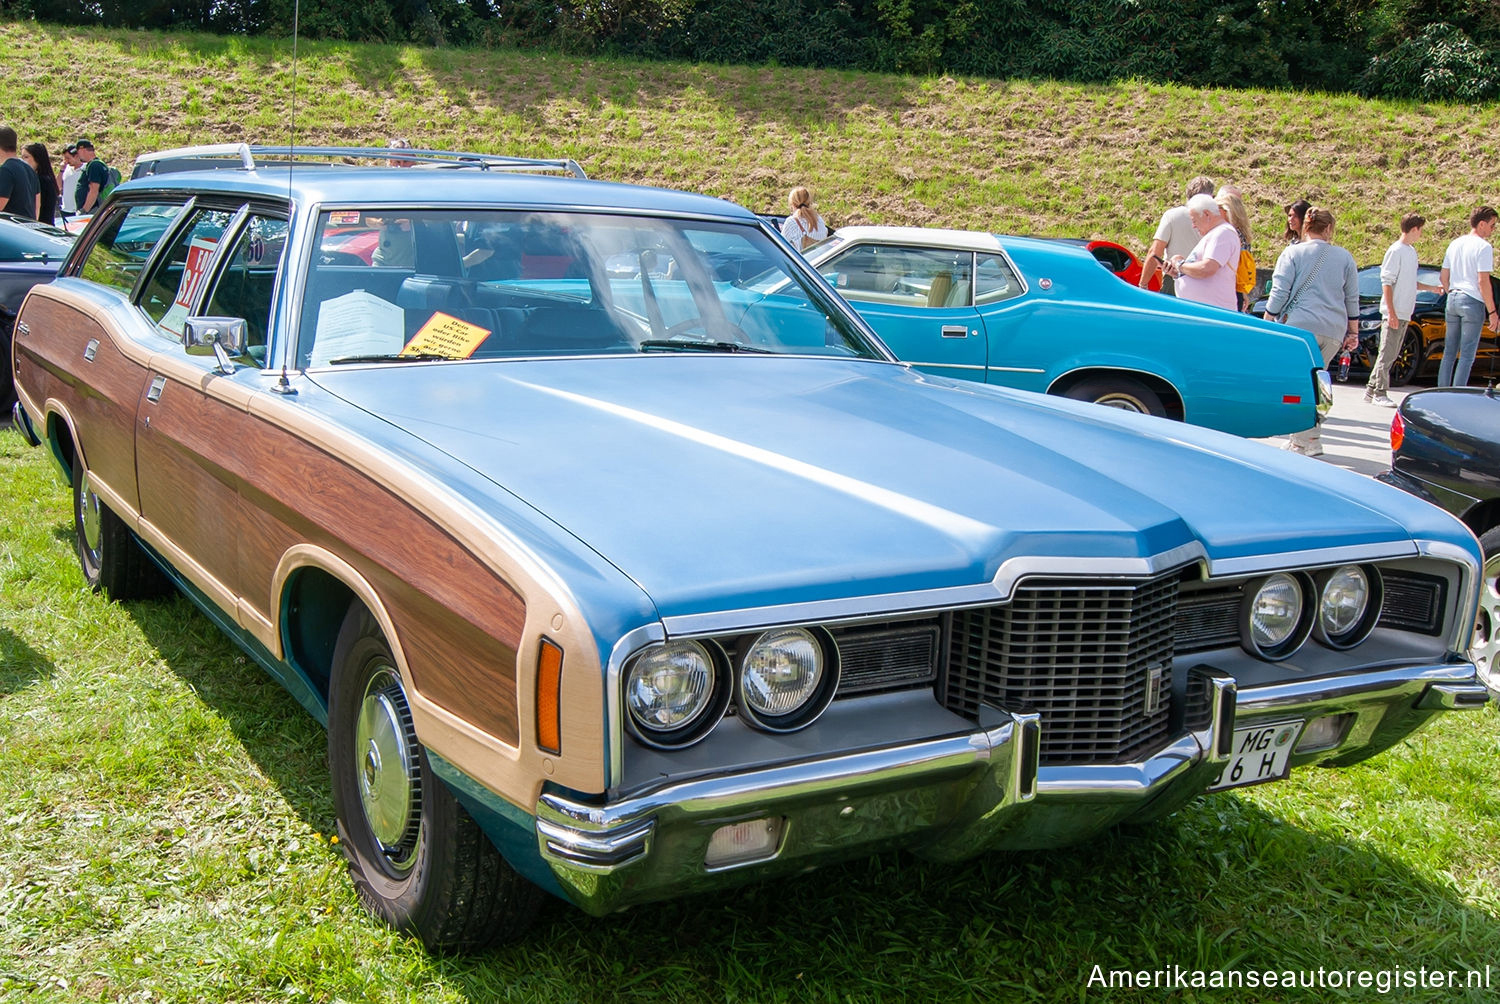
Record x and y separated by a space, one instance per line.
244 156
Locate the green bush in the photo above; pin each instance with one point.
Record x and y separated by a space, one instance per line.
1441 64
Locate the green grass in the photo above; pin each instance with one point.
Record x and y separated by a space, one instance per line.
166 837
165 805
1018 157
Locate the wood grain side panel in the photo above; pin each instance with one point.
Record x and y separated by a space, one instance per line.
101 395
188 489
459 624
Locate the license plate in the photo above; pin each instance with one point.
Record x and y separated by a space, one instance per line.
1260 753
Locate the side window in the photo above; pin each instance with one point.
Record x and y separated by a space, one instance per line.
903 276
244 287
994 280
118 254
173 287
1111 258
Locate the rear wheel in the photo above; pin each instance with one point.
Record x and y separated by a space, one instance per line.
419 861
1121 392
1409 360
1485 650
112 561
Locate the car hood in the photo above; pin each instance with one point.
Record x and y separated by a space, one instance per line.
724 482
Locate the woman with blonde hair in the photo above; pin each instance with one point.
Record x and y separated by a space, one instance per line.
804 227
1229 200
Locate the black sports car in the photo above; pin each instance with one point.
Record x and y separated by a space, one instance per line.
1445 448
30 252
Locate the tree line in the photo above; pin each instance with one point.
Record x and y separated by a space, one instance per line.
1423 49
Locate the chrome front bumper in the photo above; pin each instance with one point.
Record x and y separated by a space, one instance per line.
953 797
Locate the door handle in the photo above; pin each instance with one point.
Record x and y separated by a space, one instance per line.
153 393
90 350
955 331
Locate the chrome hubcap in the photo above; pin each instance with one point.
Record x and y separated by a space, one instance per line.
1486 647
389 776
1122 401
88 515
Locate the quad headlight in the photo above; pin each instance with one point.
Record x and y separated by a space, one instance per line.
1348 605
1275 619
676 693
787 677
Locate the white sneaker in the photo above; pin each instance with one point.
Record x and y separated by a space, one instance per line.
1380 401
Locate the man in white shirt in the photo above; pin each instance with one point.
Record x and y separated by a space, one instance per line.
1467 265
71 166
1398 298
1174 236
1206 274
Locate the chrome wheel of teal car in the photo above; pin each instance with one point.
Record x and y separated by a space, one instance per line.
1120 392
390 780
89 531
419 861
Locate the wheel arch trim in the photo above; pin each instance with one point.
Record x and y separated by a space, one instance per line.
1152 379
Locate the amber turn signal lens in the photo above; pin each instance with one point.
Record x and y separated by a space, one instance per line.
548 697
1398 432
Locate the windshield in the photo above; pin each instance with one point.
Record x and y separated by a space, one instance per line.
397 285
1369 283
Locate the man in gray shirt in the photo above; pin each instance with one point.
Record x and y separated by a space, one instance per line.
1174 236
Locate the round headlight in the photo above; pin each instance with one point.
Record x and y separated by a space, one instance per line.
785 680
670 691
1275 622
1349 605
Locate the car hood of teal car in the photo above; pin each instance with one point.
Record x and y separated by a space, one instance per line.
731 481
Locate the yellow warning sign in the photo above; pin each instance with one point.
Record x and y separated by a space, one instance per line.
446 335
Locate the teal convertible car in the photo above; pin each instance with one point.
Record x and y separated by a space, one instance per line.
1044 316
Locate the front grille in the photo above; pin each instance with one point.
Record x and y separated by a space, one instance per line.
1413 601
1208 618
1095 659
887 656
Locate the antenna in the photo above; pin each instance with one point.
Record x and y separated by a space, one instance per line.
284 386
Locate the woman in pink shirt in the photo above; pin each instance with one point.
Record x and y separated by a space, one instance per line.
1207 274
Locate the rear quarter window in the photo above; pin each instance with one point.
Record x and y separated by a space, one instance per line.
118 253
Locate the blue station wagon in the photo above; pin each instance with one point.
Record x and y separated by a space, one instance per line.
1043 315
621 560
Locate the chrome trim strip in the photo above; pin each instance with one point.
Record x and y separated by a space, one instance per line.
1292 693
1315 558
1468 587
996 590
609 850
630 643
1454 697
941 366
1014 369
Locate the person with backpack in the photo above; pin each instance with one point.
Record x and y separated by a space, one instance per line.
95 180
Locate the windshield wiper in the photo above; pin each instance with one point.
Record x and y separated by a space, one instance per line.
689 345
391 357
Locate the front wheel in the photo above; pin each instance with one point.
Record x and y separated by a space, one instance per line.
419 861
1122 392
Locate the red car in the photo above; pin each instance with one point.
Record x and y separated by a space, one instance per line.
1118 259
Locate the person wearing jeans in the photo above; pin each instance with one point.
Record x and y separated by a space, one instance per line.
1467 265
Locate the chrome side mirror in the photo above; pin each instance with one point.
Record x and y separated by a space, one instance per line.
221 337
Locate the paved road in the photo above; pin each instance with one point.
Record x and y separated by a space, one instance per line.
1357 436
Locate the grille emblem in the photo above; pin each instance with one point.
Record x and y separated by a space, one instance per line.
1153 688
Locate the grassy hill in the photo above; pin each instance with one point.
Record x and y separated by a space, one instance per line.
1020 157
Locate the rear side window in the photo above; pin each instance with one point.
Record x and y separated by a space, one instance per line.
173 287
119 252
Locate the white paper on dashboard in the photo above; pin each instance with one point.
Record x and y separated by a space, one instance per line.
357 324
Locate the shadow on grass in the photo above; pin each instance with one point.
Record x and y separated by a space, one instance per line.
20 664
1222 885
